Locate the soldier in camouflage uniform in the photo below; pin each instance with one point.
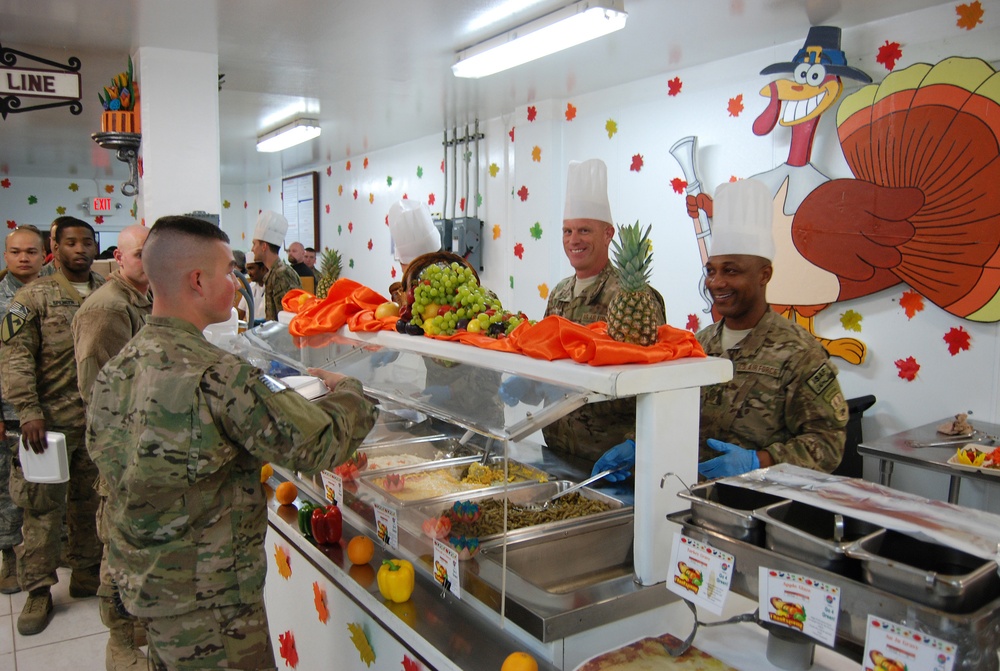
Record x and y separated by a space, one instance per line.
179 429
24 253
784 404
596 427
38 373
108 320
268 237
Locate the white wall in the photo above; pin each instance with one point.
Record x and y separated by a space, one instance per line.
649 122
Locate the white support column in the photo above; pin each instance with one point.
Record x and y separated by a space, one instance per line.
666 442
179 103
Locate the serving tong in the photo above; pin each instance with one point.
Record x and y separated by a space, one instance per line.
977 437
593 478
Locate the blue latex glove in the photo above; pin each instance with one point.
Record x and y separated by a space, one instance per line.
384 357
514 388
734 460
621 455
437 393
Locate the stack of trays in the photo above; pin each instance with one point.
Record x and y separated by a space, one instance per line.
924 572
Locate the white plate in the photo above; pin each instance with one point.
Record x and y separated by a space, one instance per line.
953 460
308 386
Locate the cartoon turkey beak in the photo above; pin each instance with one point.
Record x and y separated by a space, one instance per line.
803 102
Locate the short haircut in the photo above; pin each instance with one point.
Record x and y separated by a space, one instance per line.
60 224
310 249
174 239
275 249
28 228
240 258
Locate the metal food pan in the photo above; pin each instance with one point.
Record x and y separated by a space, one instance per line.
728 509
435 449
452 470
931 574
812 534
412 518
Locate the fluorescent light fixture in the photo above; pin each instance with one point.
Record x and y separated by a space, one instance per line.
562 29
289 135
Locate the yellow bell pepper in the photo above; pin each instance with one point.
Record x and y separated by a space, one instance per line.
395 580
977 458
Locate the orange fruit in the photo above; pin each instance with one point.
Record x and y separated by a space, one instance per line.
519 661
286 493
360 550
266 471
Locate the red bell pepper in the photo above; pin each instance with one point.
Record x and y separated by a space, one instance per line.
327 525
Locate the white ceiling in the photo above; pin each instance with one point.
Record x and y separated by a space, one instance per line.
377 70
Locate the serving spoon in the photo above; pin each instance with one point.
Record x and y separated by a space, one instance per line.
593 478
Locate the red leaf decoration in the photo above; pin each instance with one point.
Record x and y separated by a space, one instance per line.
329 171
693 323
365 165
511 133
522 193
350 227
393 273
570 112
532 113
355 194
442 165
958 340
411 664
461 204
636 163
11 223
674 86
430 199
912 303
888 54
328 208
678 185
287 649
348 166
369 244
519 251
735 105
5 183
908 368
99 219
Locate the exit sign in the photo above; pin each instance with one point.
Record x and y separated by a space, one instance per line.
101 205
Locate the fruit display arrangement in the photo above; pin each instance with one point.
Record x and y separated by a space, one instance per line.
980 458
446 299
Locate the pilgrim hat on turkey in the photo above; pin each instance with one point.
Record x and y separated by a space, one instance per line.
823 47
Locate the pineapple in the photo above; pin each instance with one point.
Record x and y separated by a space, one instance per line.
329 272
633 312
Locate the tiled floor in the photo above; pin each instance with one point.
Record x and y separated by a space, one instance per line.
73 641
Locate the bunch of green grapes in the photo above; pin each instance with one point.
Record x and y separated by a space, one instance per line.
448 298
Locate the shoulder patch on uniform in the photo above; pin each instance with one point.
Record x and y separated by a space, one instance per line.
18 309
10 325
819 380
836 399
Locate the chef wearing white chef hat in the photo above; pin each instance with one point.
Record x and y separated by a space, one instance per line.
268 238
784 404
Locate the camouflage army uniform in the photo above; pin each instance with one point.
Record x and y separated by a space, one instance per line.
784 396
595 428
10 513
280 279
179 429
38 374
101 328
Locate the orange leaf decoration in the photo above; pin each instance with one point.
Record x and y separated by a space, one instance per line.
970 15
283 561
319 600
735 105
912 303
570 112
496 231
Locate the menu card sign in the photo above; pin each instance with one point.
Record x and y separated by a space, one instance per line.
892 646
333 487
387 526
446 567
700 573
800 603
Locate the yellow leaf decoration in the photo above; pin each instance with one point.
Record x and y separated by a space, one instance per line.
371 196
283 561
543 290
536 154
496 231
226 204
319 599
360 642
494 169
61 210
74 187
851 321
612 127
340 189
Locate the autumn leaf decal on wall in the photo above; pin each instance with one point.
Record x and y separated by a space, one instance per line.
908 368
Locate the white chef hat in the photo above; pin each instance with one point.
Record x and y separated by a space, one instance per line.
271 227
587 191
412 230
741 223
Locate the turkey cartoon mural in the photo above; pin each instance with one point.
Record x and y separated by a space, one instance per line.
799 288
924 149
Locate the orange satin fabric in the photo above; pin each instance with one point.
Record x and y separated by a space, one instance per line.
551 338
